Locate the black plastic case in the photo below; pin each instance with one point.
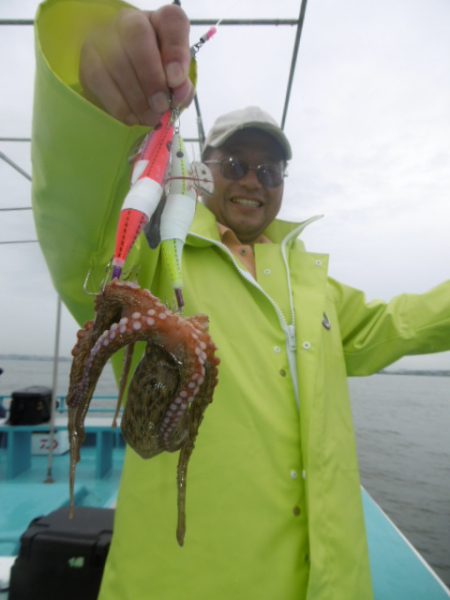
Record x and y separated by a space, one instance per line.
61 557
30 406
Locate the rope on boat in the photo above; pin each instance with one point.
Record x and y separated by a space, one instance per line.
49 478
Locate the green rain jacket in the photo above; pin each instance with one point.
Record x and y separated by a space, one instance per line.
273 492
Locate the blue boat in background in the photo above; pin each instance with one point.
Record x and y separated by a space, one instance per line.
399 572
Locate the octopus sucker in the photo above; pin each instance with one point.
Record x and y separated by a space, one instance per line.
169 389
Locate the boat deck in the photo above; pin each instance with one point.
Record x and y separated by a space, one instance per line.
90 490
399 572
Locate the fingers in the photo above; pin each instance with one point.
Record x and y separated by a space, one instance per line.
175 53
184 94
134 67
100 88
172 28
140 44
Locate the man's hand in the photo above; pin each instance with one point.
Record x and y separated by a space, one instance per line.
134 65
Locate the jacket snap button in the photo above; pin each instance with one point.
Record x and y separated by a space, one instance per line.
283 372
318 263
267 271
306 345
277 349
294 474
297 511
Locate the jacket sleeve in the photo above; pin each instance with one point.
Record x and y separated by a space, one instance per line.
79 156
376 334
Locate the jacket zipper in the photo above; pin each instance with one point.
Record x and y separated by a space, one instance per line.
288 329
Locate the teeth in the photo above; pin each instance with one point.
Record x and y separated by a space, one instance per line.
246 202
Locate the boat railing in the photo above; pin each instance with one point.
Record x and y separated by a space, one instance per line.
16 440
100 404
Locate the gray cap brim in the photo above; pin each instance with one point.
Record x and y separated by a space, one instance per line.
250 117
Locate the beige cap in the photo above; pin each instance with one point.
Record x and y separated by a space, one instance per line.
251 116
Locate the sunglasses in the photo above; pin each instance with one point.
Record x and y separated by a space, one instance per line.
269 175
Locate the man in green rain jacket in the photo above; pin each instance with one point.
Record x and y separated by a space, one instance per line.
273 507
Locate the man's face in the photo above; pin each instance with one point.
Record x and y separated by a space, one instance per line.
245 205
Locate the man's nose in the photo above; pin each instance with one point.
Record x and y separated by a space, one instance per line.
250 180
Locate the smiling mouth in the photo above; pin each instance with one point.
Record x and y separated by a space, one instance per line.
246 202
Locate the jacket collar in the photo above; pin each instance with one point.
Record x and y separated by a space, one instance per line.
204 230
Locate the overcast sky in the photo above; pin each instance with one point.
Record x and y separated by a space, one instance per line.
369 122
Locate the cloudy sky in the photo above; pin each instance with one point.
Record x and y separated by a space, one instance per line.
369 122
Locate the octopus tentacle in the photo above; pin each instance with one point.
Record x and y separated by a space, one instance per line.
197 411
170 389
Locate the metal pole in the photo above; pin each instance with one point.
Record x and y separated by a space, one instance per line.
200 22
301 19
12 164
200 129
49 478
15 139
19 242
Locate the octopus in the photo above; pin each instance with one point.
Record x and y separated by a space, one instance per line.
169 390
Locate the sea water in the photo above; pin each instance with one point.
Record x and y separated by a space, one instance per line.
402 429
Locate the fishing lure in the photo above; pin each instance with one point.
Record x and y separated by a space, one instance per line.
162 161
185 181
147 186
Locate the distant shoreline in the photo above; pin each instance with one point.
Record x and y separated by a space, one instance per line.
417 372
31 357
